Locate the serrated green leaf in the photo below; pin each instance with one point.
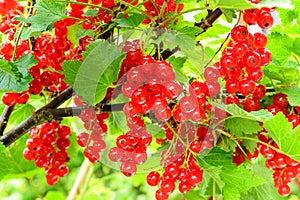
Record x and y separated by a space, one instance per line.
280 41
293 94
190 31
98 71
46 14
218 157
271 71
238 180
236 111
14 76
240 126
288 139
24 63
131 21
231 180
266 190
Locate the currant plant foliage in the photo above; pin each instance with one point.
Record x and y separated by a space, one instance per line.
190 99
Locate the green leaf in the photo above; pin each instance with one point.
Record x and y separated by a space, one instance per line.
293 94
296 46
46 14
238 180
91 13
177 63
75 32
240 126
287 138
131 21
190 31
54 195
218 157
251 145
266 190
5 163
280 41
71 68
72 30
231 180
229 14
22 113
236 111
233 4
193 194
14 76
98 71
19 165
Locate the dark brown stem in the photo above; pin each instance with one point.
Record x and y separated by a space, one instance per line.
60 99
46 114
208 21
5 117
36 118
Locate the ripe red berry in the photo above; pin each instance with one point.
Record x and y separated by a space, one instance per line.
239 33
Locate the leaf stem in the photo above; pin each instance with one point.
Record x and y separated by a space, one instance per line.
264 143
17 41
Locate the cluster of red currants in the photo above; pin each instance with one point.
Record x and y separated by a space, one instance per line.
262 17
285 168
184 170
241 65
179 162
92 140
281 104
130 150
8 6
47 145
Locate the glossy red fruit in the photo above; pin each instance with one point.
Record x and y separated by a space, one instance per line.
260 40
247 86
281 100
9 99
239 33
265 20
284 190
252 59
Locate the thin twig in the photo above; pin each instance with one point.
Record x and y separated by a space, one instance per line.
5 117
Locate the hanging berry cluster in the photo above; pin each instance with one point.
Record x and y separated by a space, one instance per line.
47 145
92 140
